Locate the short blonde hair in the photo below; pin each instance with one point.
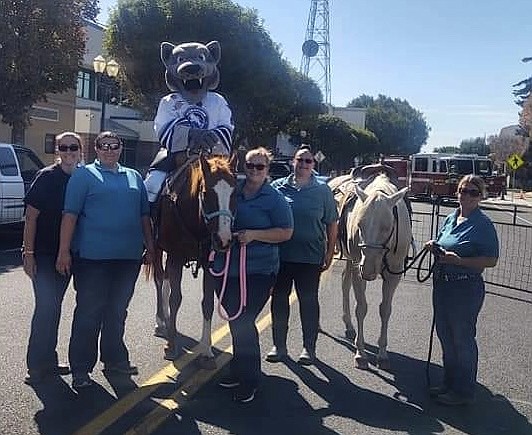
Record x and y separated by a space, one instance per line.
260 151
477 181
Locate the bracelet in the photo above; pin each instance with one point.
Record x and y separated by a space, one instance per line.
28 252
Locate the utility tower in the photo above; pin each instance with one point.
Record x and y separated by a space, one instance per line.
316 59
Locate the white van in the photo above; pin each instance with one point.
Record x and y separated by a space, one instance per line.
18 166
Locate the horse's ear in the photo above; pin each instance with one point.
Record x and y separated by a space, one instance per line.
360 192
233 162
398 196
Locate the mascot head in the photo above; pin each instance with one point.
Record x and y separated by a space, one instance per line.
191 68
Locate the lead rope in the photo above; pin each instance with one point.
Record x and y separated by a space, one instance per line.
242 280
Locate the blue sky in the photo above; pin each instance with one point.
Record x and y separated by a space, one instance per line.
454 60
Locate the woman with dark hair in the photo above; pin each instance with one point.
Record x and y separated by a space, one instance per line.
44 208
466 245
104 230
305 256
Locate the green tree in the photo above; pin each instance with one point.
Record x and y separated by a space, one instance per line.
264 91
475 145
42 45
524 87
400 128
339 141
447 150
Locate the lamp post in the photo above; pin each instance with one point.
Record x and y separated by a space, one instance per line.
104 70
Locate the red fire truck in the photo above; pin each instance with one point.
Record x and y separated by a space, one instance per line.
438 174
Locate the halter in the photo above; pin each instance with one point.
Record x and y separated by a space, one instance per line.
384 246
207 217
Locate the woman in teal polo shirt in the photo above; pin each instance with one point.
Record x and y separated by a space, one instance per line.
263 220
305 256
465 246
105 226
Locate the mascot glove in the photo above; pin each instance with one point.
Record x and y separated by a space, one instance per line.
202 140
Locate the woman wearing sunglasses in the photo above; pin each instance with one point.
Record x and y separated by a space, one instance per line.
263 220
466 245
105 226
305 256
44 208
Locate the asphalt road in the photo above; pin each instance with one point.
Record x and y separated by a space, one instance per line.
330 398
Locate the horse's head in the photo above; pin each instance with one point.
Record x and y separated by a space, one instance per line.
218 198
376 224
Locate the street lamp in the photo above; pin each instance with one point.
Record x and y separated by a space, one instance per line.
104 70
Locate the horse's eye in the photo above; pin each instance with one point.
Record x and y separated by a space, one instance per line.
202 57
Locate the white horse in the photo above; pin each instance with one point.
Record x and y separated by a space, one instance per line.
377 233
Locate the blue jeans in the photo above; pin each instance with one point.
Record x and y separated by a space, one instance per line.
103 291
49 288
306 278
456 308
246 362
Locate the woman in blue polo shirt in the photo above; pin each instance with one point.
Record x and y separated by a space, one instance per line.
105 225
466 245
305 256
263 219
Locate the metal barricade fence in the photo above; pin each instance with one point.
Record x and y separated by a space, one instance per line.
513 224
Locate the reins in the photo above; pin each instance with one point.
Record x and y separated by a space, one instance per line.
242 280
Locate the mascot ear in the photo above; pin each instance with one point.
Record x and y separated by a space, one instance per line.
216 50
166 52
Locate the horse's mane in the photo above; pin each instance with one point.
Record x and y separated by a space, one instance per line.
218 164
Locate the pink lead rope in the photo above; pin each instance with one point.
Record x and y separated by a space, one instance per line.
225 272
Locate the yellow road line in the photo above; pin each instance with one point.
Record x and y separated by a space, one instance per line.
166 375
169 406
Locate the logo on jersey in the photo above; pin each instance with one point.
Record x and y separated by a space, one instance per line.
197 116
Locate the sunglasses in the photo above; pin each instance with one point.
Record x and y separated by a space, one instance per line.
307 161
71 147
109 146
470 192
257 166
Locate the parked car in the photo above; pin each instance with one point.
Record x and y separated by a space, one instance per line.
18 166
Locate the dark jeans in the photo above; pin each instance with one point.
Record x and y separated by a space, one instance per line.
306 278
49 289
103 291
246 362
456 308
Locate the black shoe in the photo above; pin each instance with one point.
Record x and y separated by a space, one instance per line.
436 391
275 355
81 381
244 394
35 377
121 369
62 370
229 382
306 358
453 399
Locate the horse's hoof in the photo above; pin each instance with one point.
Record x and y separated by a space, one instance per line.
160 332
350 334
383 364
361 363
206 362
170 354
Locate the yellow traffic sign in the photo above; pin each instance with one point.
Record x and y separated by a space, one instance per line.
515 161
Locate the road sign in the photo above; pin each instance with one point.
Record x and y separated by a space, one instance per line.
515 161
319 156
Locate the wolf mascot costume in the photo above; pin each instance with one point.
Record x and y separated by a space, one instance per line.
192 118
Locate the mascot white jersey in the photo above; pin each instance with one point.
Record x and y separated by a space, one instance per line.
192 118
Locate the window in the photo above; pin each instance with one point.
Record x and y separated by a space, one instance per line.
8 165
44 113
483 167
29 165
128 156
443 166
85 86
461 166
421 164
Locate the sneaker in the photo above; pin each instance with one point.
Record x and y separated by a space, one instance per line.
453 399
244 394
121 369
306 358
229 382
276 354
81 381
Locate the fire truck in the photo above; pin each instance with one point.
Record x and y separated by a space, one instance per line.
438 174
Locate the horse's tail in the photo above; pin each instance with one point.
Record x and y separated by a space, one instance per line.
149 269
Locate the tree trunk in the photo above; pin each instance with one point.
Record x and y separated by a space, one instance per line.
18 133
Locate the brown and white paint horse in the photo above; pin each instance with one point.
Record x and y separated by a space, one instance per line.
196 212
